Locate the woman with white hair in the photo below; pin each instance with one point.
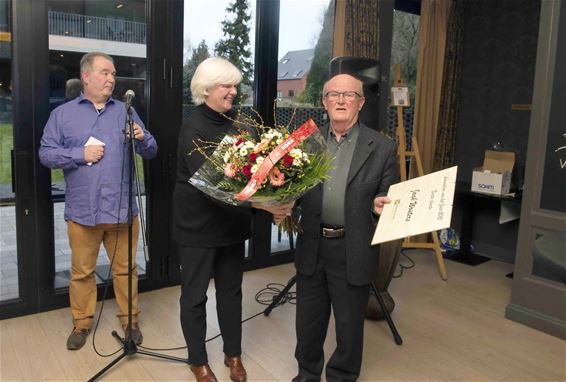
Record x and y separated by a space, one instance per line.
210 235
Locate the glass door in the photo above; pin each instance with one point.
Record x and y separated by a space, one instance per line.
9 283
41 44
118 29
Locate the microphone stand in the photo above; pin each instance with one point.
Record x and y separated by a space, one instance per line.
129 346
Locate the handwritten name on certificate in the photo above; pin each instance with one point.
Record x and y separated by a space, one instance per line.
419 205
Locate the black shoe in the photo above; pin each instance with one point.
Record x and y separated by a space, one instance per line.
137 336
77 338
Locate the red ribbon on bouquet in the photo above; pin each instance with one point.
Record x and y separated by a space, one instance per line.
279 152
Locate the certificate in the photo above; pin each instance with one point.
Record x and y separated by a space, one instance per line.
400 96
419 205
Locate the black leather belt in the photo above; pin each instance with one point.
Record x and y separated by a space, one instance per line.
332 232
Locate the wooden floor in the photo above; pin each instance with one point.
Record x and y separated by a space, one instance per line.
452 331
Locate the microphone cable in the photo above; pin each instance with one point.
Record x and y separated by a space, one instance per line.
402 267
264 297
268 294
107 284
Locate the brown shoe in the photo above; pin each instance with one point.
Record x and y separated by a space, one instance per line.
203 374
237 371
77 338
137 335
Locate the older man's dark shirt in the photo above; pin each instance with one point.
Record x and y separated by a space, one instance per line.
334 188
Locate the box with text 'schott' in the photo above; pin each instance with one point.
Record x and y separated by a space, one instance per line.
494 177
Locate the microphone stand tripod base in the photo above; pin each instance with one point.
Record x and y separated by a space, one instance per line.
130 346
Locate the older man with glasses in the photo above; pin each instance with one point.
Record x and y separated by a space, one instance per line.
334 259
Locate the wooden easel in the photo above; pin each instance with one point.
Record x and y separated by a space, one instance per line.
403 155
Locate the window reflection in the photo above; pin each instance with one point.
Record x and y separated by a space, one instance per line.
549 261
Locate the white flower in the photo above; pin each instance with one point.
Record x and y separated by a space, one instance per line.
254 168
243 151
259 160
296 153
271 134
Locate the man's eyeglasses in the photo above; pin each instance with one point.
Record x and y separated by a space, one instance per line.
348 96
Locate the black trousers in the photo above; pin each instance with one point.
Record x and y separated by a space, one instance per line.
328 288
197 265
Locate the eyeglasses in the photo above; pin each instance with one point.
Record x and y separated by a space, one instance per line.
348 96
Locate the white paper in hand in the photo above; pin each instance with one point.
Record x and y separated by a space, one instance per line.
92 141
418 206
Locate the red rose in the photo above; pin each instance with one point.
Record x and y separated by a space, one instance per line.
247 170
287 161
253 157
238 142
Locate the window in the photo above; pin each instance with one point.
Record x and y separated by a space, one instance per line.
206 37
121 33
298 49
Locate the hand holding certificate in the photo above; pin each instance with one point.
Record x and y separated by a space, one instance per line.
419 205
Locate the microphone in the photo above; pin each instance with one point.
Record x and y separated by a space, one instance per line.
129 97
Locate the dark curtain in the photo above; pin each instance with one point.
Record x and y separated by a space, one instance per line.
449 99
362 29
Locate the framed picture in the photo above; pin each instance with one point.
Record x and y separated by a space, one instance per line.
400 96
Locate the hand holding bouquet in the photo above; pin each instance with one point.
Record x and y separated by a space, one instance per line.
272 167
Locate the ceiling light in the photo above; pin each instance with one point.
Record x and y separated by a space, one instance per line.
119 5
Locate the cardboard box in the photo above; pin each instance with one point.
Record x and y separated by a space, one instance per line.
494 177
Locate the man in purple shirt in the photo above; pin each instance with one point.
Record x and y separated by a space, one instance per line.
85 137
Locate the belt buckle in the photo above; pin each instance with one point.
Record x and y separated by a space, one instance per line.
332 233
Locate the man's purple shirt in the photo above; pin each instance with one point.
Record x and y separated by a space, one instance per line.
92 192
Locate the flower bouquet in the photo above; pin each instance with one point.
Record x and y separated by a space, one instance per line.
263 165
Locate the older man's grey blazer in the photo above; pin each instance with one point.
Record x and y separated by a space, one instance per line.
373 169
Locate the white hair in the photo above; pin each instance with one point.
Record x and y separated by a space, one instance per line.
211 72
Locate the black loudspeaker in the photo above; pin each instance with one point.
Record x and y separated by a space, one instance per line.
368 71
